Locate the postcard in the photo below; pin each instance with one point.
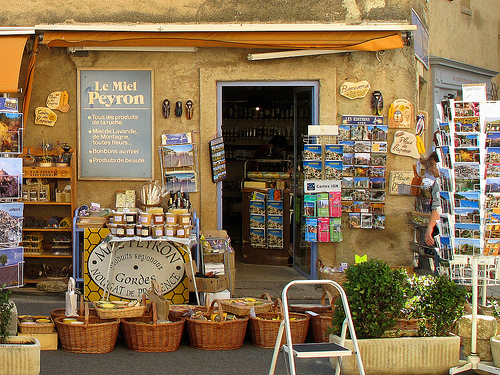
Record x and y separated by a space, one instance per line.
11 273
378 221
344 132
348 159
378 159
362 158
362 146
366 221
333 169
355 220
312 169
312 152
379 147
11 171
333 152
11 224
11 135
377 195
377 171
175 156
361 182
377 132
348 146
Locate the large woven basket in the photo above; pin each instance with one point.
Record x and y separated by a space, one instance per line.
264 330
94 336
154 336
323 307
323 320
261 305
223 335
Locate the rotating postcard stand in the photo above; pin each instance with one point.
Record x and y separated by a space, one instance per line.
468 145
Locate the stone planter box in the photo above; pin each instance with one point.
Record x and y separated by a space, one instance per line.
20 356
403 355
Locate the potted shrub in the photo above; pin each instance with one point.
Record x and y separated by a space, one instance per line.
378 296
18 355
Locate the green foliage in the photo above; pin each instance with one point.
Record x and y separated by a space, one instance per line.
3 259
376 295
5 308
442 303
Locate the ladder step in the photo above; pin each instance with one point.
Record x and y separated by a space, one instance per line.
318 350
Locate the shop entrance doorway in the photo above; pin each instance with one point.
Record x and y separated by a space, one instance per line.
262 124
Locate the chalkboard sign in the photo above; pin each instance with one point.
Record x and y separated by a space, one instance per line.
115 124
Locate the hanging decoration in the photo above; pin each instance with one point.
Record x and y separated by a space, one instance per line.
354 90
405 144
45 116
400 114
58 100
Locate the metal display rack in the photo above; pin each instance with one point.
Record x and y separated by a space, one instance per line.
465 246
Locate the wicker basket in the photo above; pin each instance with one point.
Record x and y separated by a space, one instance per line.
56 313
33 328
223 335
125 312
265 331
163 337
318 309
94 336
230 306
181 311
338 277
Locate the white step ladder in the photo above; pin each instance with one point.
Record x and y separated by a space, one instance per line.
316 350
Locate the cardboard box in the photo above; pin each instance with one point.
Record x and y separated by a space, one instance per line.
189 274
225 294
48 341
211 284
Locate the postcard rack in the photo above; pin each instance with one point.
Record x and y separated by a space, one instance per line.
470 221
179 163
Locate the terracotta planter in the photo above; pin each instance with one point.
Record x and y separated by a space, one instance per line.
20 356
403 355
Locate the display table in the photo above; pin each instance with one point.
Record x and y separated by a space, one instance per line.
124 266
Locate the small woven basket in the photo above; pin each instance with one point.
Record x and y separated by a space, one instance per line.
125 312
264 330
223 335
95 335
230 306
155 337
33 328
338 277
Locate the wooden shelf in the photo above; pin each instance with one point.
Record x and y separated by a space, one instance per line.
40 279
48 203
46 255
46 230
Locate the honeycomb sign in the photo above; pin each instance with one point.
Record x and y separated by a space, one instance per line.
132 265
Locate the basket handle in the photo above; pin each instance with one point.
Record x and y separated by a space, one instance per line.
82 307
87 314
327 293
144 302
266 295
278 307
155 313
219 305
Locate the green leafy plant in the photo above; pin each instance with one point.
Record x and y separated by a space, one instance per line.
376 295
5 307
3 259
442 304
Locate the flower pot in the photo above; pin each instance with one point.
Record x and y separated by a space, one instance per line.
20 356
495 350
403 355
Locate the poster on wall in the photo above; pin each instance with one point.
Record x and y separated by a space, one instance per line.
11 224
115 124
